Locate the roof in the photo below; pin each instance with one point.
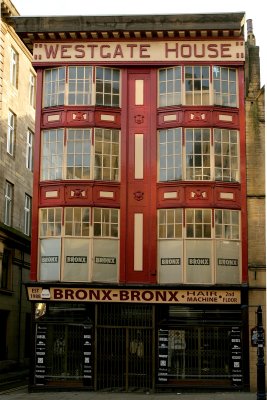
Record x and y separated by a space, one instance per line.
32 29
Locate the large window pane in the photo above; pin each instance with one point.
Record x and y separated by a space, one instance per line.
170 154
52 154
225 86
226 155
170 92
54 87
197 146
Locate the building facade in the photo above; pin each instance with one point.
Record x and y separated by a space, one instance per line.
139 268
17 115
255 144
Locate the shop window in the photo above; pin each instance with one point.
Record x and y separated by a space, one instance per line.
74 85
85 154
170 245
205 155
76 249
191 249
76 245
170 86
227 246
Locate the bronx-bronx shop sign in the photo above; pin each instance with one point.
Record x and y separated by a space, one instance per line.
124 295
51 52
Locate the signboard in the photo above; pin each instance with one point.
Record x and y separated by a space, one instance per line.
41 335
163 355
254 337
166 296
236 356
146 51
87 355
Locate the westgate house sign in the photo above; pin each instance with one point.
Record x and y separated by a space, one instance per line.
167 296
51 52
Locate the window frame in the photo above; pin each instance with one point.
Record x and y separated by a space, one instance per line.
230 229
27 214
61 146
29 150
164 94
32 89
9 203
214 91
14 64
220 94
11 131
56 90
209 172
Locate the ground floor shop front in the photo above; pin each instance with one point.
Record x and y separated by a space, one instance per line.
169 338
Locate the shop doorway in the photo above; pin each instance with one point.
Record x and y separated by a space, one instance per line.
124 355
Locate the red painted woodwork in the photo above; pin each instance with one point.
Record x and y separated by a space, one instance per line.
198 116
80 116
207 194
139 193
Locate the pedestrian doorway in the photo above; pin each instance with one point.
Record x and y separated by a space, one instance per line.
124 350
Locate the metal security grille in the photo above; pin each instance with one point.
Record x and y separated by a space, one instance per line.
124 348
64 363
199 353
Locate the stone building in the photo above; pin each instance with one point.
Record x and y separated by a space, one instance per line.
256 206
17 115
148 256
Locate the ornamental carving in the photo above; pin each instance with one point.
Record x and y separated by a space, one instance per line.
79 116
198 194
139 119
77 193
197 116
139 196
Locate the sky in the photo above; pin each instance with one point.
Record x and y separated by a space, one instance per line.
252 8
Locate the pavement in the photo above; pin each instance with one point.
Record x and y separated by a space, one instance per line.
23 394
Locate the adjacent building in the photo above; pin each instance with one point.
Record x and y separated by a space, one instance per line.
17 115
146 201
